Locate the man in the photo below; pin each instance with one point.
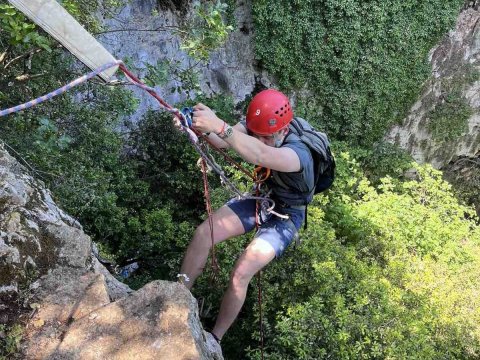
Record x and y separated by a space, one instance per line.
264 141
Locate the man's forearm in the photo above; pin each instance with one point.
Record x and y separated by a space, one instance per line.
249 148
216 141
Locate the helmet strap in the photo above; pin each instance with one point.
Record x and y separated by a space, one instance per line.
279 137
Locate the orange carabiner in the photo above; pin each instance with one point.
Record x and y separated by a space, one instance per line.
260 174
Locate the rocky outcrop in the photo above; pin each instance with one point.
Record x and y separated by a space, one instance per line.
37 237
444 124
70 305
159 321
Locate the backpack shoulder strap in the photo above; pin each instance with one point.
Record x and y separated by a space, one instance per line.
279 180
297 127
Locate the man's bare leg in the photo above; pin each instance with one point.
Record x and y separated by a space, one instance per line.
255 257
226 224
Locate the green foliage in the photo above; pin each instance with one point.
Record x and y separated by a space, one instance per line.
364 62
10 337
156 240
382 273
18 30
448 120
206 30
380 160
230 13
167 162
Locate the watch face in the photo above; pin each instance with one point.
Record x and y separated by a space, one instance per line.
228 131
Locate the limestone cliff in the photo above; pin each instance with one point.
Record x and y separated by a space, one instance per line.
444 123
443 126
231 69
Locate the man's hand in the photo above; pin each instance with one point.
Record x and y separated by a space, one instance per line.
176 123
205 121
179 126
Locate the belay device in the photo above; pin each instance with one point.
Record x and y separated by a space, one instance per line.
187 113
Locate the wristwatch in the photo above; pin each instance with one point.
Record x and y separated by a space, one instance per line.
226 132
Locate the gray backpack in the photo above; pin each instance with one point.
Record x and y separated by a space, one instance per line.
323 160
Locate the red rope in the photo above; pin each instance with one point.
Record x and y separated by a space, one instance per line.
257 174
208 205
138 81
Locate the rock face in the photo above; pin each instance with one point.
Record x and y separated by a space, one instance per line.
230 70
444 124
71 306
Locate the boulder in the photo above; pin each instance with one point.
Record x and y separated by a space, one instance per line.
159 321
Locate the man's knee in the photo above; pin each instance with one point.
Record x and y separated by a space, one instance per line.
202 236
258 254
240 278
260 249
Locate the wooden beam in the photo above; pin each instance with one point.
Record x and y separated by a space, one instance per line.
55 20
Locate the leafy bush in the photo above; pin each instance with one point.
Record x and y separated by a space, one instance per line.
449 120
18 31
10 337
382 273
363 62
206 30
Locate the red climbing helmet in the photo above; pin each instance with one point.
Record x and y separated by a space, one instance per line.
268 112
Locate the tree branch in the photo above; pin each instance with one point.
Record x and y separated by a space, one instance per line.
3 55
29 53
160 28
25 77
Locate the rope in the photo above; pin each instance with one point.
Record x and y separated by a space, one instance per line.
59 91
210 218
258 182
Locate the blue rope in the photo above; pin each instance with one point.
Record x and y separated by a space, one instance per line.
60 90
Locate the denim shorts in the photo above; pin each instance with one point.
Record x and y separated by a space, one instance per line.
278 232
